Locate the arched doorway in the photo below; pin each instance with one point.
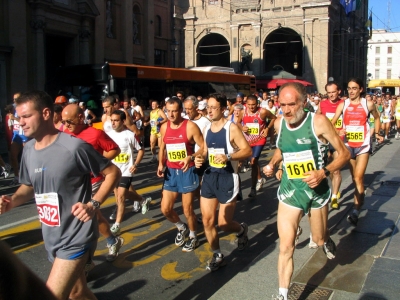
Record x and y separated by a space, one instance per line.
284 47
213 50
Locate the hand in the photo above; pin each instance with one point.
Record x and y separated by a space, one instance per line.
314 178
198 161
5 204
83 212
268 170
185 163
278 174
160 170
133 169
245 129
379 138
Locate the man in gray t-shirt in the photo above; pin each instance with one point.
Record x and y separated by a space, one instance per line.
55 170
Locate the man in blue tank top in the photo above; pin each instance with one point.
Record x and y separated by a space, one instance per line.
302 144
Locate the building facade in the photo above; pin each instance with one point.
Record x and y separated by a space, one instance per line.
384 55
315 40
38 36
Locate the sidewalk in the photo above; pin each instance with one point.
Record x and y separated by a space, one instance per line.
367 263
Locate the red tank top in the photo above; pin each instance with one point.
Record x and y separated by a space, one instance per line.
355 123
255 125
329 109
177 145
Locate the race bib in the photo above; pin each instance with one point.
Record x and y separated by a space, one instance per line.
176 152
122 158
398 112
211 157
339 121
48 208
355 133
371 119
253 128
152 123
296 164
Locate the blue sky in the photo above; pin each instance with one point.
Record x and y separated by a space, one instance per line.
380 15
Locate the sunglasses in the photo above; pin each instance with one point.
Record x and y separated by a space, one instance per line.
69 122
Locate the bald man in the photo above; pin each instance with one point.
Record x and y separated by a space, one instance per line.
73 119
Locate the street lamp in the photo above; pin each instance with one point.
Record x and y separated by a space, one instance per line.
174 48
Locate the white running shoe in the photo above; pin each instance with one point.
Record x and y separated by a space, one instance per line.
146 205
136 206
312 244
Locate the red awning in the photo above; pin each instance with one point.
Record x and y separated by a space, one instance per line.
275 83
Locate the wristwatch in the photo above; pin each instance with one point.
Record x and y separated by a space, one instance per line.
229 157
326 171
95 203
192 157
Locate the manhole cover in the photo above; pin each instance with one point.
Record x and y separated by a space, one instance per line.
307 292
390 183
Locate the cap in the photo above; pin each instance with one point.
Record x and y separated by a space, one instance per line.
60 100
91 104
166 99
316 98
202 105
241 95
72 100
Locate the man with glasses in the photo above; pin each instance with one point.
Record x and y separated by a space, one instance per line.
176 165
56 170
224 146
73 119
355 111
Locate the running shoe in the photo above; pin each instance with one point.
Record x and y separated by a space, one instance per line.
352 219
386 137
146 205
113 215
298 233
115 230
260 183
334 203
253 193
278 297
14 181
312 244
181 235
6 171
113 250
216 262
397 136
243 239
329 249
191 244
136 206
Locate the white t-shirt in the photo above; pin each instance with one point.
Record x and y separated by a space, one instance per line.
127 142
202 123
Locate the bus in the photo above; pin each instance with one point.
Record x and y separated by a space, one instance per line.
95 81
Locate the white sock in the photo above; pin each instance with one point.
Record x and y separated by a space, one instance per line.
259 180
179 225
283 292
192 234
117 224
334 195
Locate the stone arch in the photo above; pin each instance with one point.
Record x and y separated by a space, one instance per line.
213 50
283 46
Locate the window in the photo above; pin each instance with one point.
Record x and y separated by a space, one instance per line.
378 50
158 26
212 2
377 61
389 74
160 57
136 25
377 74
390 50
389 61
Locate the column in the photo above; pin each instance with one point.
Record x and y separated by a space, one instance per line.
235 50
38 24
257 50
84 35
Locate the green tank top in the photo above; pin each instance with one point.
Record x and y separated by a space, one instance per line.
302 151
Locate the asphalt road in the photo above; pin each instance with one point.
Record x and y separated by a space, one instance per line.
150 266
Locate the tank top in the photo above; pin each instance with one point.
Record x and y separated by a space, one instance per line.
329 109
177 145
219 143
255 125
385 116
153 121
107 126
355 123
397 108
302 151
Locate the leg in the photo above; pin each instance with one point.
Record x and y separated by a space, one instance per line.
357 170
288 222
153 142
133 195
63 280
255 170
120 197
319 225
336 177
208 211
187 203
167 206
225 218
104 227
15 149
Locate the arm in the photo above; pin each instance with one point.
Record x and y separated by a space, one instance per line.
339 111
319 108
325 131
161 152
22 195
374 111
93 119
266 114
194 134
162 115
111 154
277 157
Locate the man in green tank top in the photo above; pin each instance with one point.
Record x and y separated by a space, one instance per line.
302 144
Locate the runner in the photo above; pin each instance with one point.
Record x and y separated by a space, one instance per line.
127 142
302 144
397 115
386 117
355 112
224 143
255 130
55 169
157 118
328 108
178 137
73 118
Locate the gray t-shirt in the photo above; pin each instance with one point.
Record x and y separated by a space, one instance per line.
60 176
